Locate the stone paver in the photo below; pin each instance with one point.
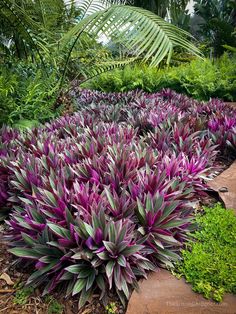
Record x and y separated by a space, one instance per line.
227 179
162 293
233 104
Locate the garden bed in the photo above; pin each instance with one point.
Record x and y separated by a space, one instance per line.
110 191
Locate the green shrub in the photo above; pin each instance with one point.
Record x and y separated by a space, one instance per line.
26 94
111 308
22 295
209 263
54 307
201 79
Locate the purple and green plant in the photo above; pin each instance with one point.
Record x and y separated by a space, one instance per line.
99 198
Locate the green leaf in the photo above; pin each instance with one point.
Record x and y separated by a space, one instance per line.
100 282
45 250
37 274
79 285
50 197
158 201
25 200
128 251
112 232
125 288
169 254
158 243
122 261
89 229
69 218
85 272
67 276
36 216
26 253
168 239
109 268
60 231
148 203
28 240
90 280
21 179
110 246
168 210
176 223
110 199
103 256
74 269
141 212
84 297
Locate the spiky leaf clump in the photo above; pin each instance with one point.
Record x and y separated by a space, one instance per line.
103 196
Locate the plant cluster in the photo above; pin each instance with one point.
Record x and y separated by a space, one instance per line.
111 308
199 79
209 261
54 307
101 197
22 295
27 95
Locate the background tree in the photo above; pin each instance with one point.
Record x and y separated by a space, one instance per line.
217 23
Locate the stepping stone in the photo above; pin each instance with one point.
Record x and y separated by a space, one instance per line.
233 104
162 293
225 185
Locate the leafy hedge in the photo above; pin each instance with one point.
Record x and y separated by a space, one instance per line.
201 79
101 197
210 260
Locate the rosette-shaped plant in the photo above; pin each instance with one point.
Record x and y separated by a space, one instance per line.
101 197
84 257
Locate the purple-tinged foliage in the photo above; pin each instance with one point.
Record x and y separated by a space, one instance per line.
103 196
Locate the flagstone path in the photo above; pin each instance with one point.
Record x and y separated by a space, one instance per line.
225 185
162 293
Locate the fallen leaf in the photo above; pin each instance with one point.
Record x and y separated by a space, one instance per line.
7 278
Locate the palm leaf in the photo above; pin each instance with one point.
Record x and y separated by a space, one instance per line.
94 70
142 32
88 7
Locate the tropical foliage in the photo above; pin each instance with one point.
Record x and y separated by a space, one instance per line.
26 94
101 197
150 36
217 23
99 188
199 79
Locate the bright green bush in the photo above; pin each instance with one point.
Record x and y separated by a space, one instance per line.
201 79
209 263
26 94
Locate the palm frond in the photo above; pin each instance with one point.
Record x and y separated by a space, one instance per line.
104 66
142 32
88 7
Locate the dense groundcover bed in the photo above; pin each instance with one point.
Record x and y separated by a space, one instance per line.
99 198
